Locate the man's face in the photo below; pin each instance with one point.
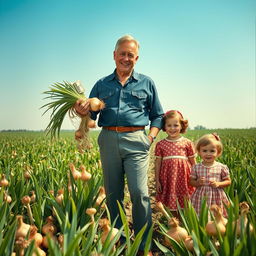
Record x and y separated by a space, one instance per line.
126 57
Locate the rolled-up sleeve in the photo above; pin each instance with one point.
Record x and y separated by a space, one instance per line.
156 111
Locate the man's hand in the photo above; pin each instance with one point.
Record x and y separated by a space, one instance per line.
82 107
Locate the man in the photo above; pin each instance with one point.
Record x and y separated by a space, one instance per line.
131 103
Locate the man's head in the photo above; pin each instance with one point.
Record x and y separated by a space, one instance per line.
126 54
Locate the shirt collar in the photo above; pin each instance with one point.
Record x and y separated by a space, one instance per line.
134 76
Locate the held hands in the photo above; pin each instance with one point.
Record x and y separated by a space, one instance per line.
158 187
214 183
201 181
82 107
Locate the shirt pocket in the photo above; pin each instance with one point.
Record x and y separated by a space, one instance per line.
136 100
108 98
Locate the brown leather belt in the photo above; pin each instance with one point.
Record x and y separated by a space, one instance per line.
124 128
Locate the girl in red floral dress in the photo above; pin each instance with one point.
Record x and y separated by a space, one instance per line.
210 177
174 157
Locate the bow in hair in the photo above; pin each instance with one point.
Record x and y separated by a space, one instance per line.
174 111
216 136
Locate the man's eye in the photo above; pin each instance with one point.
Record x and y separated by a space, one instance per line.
130 55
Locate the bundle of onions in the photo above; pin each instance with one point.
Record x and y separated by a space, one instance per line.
64 96
212 227
175 232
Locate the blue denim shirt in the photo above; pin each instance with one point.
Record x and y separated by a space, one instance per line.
134 104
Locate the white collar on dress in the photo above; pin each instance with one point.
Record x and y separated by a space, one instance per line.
214 164
180 138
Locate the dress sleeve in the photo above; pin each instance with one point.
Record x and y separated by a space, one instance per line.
193 173
158 150
224 172
190 149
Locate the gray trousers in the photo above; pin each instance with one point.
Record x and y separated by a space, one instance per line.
126 154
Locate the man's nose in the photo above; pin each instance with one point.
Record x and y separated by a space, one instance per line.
126 57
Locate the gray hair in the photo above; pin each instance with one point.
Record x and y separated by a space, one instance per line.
126 38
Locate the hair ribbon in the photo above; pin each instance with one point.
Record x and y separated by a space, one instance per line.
174 111
216 136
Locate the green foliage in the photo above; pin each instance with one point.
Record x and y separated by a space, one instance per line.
48 162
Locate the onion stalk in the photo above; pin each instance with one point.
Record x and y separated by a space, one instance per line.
64 96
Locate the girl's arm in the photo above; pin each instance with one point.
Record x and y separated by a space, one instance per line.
192 160
220 184
158 163
196 183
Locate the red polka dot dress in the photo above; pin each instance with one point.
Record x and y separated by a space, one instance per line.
175 171
216 172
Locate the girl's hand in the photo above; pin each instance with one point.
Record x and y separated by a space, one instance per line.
82 107
158 187
214 184
201 181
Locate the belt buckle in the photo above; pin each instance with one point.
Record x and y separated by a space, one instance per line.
117 129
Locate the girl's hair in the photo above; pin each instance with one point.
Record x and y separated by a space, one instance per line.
174 114
210 139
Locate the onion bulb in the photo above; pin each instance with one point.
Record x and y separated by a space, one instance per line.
22 229
243 220
4 182
35 236
49 227
189 244
85 176
76 174
96 104
101 197
7 198
91 212
175 232
105 225
212 227
60 196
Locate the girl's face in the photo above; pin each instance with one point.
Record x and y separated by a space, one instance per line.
208 153
172 128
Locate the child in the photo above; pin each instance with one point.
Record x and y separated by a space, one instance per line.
174 157
209 177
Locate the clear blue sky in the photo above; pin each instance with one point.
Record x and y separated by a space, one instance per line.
200 53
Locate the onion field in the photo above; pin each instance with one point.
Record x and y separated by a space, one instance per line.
65 214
